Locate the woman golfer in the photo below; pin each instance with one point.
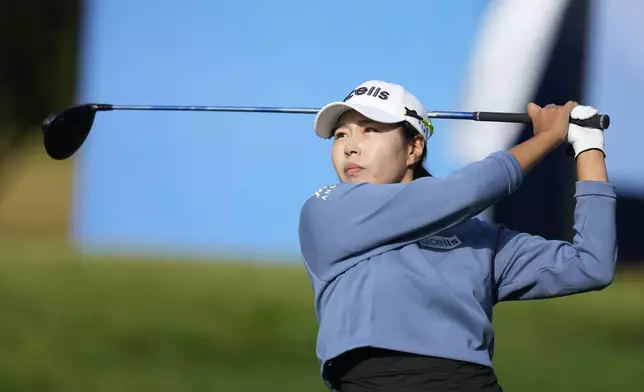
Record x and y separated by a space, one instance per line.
405 276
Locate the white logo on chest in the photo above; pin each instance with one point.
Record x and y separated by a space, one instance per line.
438 242
323 192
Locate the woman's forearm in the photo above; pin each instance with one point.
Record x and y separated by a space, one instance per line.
532 151
591 166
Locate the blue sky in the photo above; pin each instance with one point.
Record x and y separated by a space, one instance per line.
225 183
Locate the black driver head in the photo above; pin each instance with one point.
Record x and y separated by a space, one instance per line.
65 132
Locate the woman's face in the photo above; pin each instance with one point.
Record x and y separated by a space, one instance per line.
368 151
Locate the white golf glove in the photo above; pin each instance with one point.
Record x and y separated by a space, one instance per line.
582 138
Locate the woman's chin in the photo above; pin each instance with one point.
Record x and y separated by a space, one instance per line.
359 178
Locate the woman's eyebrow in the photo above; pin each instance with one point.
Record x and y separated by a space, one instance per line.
362 123
334 129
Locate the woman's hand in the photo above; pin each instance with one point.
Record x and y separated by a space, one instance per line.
551 123
550 128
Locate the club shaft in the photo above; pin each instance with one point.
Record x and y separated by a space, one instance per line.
600 121
452 115
217 109
262 109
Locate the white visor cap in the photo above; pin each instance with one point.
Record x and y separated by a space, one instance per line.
378 101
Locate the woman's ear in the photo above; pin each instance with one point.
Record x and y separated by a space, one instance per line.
415 150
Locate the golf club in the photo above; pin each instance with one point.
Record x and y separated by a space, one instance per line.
65 132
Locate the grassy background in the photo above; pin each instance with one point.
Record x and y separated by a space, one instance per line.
76 323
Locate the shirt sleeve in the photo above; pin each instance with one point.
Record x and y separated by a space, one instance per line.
348 219
531 267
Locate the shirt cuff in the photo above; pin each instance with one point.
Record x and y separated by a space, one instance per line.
595 188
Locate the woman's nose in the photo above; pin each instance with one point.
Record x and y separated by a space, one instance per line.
351 147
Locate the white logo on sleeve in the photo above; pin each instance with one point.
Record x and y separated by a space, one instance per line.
438 242
324 192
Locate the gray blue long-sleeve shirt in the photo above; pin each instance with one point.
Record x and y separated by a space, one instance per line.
409 267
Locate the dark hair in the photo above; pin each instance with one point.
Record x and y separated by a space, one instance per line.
409 133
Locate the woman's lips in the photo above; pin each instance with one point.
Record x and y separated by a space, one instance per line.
351 169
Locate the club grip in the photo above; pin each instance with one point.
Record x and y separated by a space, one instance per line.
600 121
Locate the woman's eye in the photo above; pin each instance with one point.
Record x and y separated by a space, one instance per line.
370 129
339 134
